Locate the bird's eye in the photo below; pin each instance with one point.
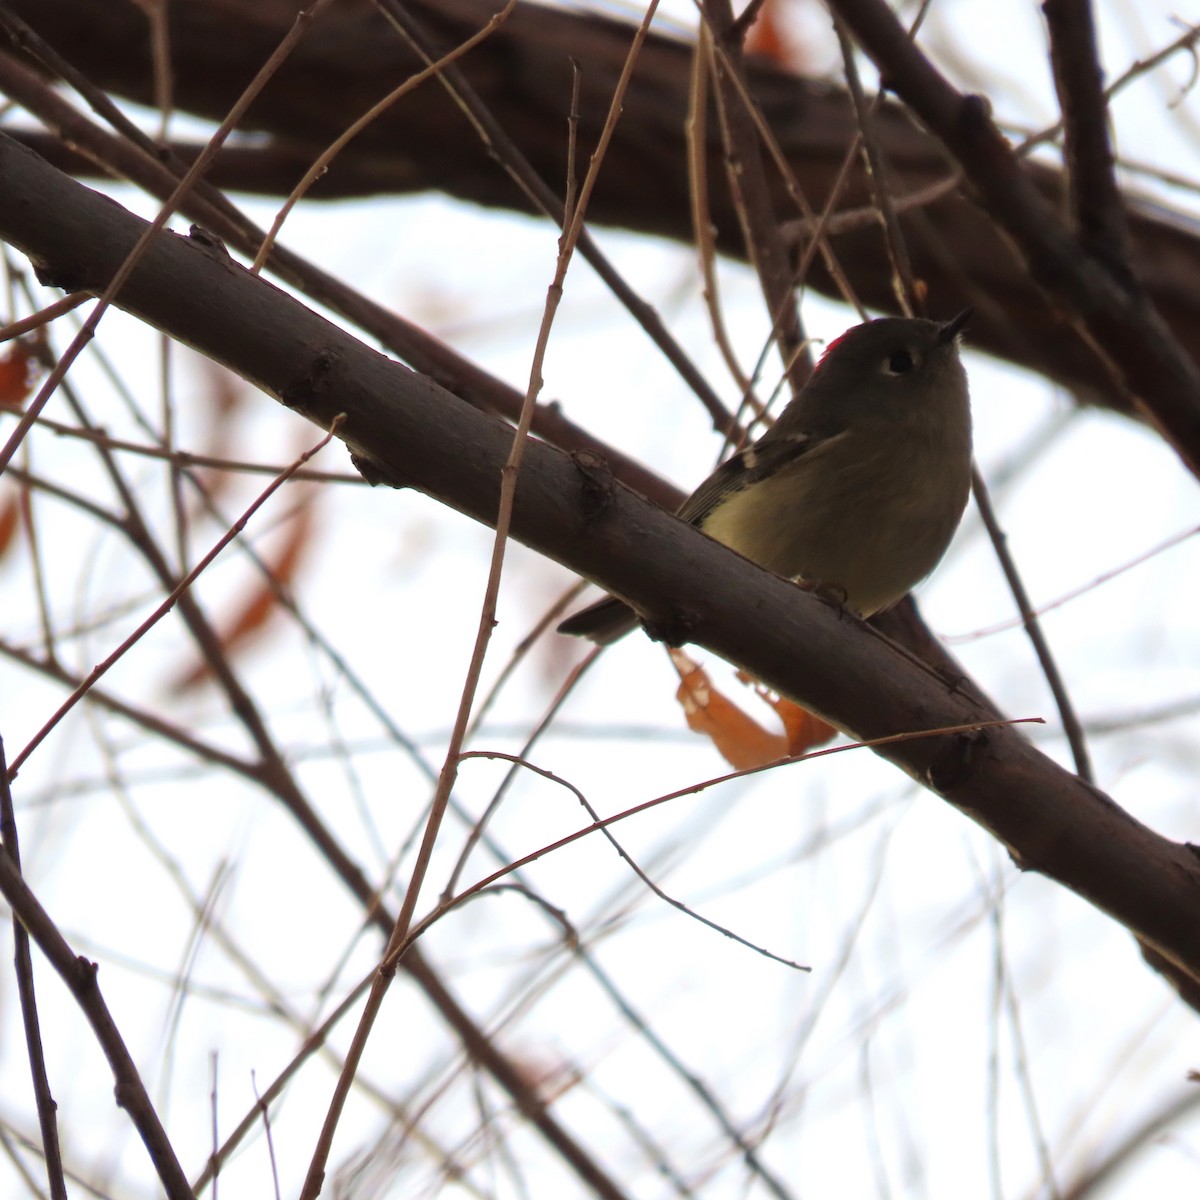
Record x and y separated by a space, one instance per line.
899 362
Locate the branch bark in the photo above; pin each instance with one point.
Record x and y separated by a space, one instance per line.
1095 197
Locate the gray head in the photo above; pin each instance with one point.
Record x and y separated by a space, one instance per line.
896 369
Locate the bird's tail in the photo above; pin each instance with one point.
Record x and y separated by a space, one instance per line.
602 622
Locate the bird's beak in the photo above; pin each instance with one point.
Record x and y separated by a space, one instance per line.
953 328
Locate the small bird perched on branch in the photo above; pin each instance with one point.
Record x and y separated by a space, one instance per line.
858 487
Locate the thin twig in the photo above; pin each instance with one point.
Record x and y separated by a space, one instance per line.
520 761
1084 589
908 296
546 621
695 134
266 1119
187 459
43 316
749 188
139 718
1033 628
47 1109
745 1148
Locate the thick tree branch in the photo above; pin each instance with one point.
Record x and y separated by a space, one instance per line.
1095 197
411 432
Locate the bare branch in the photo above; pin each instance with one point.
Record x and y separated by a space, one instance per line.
1095 197
46 1107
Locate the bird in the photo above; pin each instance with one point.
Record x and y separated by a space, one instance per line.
858 487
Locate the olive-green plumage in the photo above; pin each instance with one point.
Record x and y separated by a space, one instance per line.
860 484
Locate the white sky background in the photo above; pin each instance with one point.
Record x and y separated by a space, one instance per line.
897 1065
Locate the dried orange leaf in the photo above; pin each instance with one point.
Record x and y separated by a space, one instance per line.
768 37
10 520
803 730
739 739
17 367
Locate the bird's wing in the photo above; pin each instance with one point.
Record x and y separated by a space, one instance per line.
766 457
